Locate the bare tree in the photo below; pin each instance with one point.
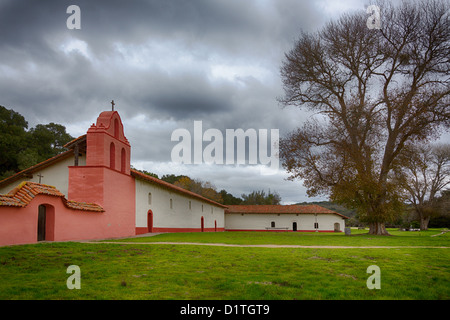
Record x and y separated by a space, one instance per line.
424 173
372 91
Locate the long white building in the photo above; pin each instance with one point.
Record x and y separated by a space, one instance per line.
94 175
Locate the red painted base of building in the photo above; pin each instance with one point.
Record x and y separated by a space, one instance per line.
271 230
142 230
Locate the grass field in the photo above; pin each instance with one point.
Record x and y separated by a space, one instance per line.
358 238
177 271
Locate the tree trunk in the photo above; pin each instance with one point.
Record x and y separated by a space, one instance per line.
378 228
424 223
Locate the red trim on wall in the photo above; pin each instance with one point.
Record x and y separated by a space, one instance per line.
271 230
142 230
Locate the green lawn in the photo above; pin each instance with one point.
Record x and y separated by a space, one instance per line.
358 238
163 271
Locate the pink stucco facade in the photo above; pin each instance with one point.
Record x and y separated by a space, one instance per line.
112 190
19 225
101 195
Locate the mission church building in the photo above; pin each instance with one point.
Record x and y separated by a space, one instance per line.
90 192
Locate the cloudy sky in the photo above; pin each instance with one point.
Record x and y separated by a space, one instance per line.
166 64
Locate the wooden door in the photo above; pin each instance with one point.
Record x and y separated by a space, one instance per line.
150 221
41 223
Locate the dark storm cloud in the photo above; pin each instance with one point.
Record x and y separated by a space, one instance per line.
230 25
32 24
165 63
32 32
180 97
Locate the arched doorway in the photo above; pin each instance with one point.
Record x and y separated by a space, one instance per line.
203 224
337 227
42 215
150 221
46 223
294 226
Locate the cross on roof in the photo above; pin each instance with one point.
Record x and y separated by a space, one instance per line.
112 104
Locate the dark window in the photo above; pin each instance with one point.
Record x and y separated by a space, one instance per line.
123 160
116 128
112 156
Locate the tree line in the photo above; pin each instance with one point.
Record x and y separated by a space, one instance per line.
21 147
209 191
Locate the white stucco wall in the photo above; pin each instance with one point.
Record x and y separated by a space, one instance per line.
180 215
305 222
56 175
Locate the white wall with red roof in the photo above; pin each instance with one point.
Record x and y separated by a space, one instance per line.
302 222
160 209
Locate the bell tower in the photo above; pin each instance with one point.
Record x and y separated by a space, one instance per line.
106 178
107 145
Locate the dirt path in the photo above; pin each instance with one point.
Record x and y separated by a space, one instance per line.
269 245
443 232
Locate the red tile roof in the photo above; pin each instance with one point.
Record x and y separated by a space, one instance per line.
23 194
80 139
281 209
173 187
